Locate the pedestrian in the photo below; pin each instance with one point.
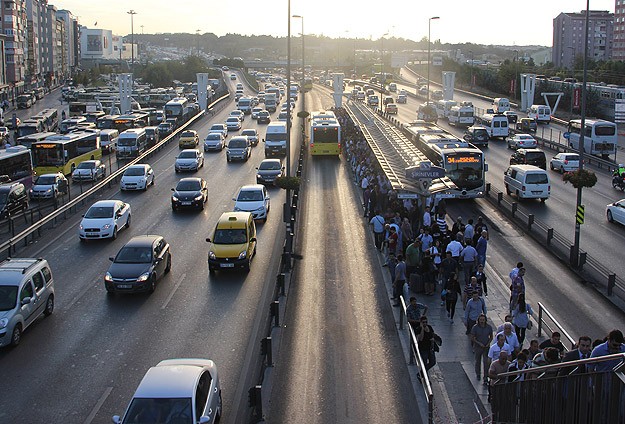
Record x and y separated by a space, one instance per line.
507 318
377 223
498 346
469 261
435 253
553 341
480 277
469 232
516 288
481 338
406 232
614 344
475 306
448 265
413 258
521 317
391 264
479 227
392 241
373 200
455 247
442 224
519 364
515 271
511 338
414 312
425 342
499 366
458 227
481 247
451 292
427 273
400 279
426 239
473 286
534 349
427 218
582 351
365 201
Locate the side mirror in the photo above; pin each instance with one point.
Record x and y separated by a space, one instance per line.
111 258
173 189
267 197
208 240
263 140
117 419
26 300
253 239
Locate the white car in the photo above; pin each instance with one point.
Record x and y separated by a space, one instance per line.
564 162
137 177
253 198
522 141
238 113
615 212
189 160
104 219
255 112
222 128
233 123
89 170
214 141
176 391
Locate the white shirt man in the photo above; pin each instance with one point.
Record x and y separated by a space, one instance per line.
498 346
455 247
427 218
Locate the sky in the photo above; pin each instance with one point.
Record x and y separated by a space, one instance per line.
512 22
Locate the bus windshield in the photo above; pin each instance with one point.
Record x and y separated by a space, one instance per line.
126 141
48 155
465 170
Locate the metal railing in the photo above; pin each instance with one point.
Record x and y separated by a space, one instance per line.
548 321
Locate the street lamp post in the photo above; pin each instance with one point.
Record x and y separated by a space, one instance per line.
429 52
516 72
471 70
382 77
303 56
132 14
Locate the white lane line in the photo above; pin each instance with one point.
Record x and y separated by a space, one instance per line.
98 405
84 291
173 291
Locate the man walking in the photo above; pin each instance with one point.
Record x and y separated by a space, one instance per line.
481 336
377 222
517 287
469 261
400 279
414 312
480 247
475 307
425 335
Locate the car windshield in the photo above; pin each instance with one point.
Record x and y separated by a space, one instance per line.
45 180
250 196
230 236
134 255
187 155
187 134
213 136
270 166
249 132
8 297
165 411
98 212
237 144
536 179
190 185
86 165
217 128
232 119
134 172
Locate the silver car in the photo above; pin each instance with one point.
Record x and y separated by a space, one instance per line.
214 141
189 160
49 186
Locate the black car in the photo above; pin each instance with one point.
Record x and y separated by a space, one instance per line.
138 265
263 117
190 193
164 129
534 157
152 135
476 135
13 198
268 171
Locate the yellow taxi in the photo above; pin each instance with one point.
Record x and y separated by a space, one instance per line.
233 244
188 139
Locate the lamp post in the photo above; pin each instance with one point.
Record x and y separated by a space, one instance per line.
429 52
132 14
516 72
303 56
382 77
471 70
197 41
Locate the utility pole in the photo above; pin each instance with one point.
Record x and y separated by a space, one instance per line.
132 14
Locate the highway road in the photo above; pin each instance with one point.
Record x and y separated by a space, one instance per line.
83 363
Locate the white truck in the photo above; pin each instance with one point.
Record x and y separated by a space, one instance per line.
275 139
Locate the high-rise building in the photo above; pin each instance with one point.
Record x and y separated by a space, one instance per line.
569 33
32 50
618 47
14 27
72 42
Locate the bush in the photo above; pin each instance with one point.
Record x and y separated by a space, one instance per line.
580 178
288 183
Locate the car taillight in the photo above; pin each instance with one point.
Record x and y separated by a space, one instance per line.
566 162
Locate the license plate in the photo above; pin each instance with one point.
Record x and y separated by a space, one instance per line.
227 265
185 203
124 286
536 192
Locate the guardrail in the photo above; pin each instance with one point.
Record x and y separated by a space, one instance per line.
552 325
9 246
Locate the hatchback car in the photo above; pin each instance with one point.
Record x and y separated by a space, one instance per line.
48 186
89 170
189 193
522 141
165 128
137 177
239 147
104 219
615 212
268 171
138 265
253 198
189 160
233 123
391 108
527 124
188 139
255 112
176 391
264 117
239 114
252 135
564 162
13 198
214 141
222 128
402 98
26 292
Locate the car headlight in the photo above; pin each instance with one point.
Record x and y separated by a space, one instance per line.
174 198
49 190
143 277
211 255
81 227
261 209
243 254
237 209
259 176
106 227
108 277
198 197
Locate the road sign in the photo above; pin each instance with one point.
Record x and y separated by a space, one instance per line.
431 172
580 214
566 135
424 183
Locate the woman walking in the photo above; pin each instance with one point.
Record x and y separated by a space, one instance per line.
521 317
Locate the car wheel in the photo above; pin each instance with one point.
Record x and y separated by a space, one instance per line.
168 267
114 236
610 217
16 337
248 265
562 170
49 306
551 166
128 221
152 284
508 190
152 183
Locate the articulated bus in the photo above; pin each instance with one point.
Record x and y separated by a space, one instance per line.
122 123
50 118
600 137
17 165
325 135
463 162
63 153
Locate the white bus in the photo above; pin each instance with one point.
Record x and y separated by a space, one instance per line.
496 125
444 106
600 137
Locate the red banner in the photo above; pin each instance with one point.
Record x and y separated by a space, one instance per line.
577 96
512 86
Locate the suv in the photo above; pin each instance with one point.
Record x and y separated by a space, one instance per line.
26 292
13 198
233 244
526 124
477 135
534 157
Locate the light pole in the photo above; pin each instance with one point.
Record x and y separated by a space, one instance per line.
287 202
197 41
429 52
382 77
516 72
303 55
132 14
471 70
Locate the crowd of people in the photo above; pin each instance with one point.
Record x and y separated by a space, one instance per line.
426 255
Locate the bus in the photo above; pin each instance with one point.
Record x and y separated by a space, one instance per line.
600 137
28 140
50 118
70 124
63 153
122 123
325 137
464 163
322 115
16 164
77 108
29 126
308 85
178 109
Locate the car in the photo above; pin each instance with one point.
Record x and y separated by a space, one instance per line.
190 193
534 157
522 141
137 177
26 292
564 162
233 244
477 135
222 128
214 141
233 123
89 170
104 219
282 116
233 77
512 116
165 128
173 122
615 212
436 94
264 117
48 186
255 112
239 147
252 135
176 391
188 139
13 198
360 95
254 199
238 113
225 68
527 124
423 90
402 98
138 265
4 132
391 108
387 100
268 171
189 160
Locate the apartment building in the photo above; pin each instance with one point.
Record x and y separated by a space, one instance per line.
618 47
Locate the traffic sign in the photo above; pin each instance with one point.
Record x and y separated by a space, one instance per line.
431 172
579 216
566 135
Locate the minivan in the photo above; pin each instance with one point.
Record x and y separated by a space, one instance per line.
541 113
534 157
239 147
108 140
233 244
131 143
527 182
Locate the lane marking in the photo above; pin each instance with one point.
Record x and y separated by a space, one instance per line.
98 405
171 295
84 291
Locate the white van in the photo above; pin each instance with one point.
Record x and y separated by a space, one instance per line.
131 143
541 113
527 182
108 140
501 104
496 125
462 115
275 139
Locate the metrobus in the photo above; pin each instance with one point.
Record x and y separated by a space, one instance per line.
308 85
600 137
28 140
29 126
77 108
122 123
464 163
177 108
63 153
50 118
322 115
325 137
17 165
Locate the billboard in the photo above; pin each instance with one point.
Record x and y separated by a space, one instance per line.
94 43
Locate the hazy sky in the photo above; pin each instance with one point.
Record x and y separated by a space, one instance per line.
511 22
